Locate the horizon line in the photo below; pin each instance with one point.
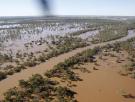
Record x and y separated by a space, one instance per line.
73 16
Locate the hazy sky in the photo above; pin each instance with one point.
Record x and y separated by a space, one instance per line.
69 7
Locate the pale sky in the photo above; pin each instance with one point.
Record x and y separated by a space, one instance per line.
69 7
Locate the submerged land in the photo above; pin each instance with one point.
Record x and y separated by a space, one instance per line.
67 59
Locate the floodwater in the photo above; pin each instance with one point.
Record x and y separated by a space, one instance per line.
13 38
12 81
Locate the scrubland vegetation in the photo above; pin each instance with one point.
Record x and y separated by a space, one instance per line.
112 32
41 43
128 46
51 90
65 44
40 88
64 69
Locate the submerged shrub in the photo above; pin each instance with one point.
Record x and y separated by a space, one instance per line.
2 75
37 88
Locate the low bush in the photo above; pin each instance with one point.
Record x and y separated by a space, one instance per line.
2 75
40 88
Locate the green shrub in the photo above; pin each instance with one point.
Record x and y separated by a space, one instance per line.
30 63
133 75
10 72
37 88
42 58
2 75
17 69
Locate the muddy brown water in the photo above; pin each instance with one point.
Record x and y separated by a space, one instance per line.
105 84
12 81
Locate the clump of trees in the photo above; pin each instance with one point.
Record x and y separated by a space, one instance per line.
83 31
43 88
64 69
39 88
5 58
10 70
62 45
30 63
112 32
